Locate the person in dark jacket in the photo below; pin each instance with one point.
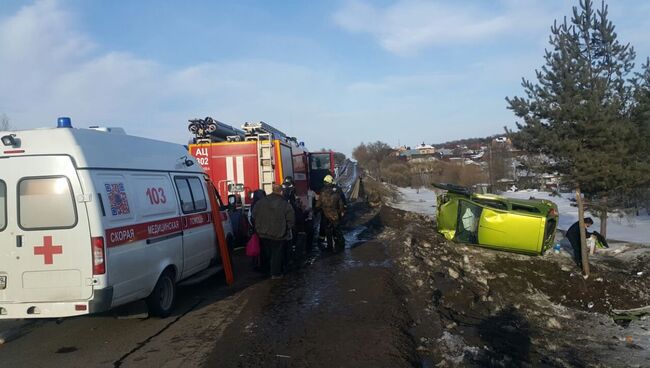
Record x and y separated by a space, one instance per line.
332 208
261 263
294 250
322 230
573 234
274 218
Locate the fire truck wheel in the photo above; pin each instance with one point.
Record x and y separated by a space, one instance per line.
162 298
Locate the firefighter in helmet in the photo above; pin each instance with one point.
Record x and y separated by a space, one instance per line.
332 208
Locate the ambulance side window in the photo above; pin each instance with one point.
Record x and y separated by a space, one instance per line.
3 205
200 204
185 195
190 192
46 203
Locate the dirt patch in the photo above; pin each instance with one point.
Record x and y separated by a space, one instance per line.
479 307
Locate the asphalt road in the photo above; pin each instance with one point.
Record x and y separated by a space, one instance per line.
126 337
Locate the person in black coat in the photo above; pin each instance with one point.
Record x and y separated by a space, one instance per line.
573 234
274 218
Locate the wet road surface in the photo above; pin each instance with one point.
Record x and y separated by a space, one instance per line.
345 310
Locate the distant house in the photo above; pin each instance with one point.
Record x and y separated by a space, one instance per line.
425 149
421 153
445 152
477 156
398 151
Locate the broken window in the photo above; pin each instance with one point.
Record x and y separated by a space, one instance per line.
469 215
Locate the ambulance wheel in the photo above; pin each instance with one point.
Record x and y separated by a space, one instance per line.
162 298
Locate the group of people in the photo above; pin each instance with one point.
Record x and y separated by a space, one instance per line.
286 228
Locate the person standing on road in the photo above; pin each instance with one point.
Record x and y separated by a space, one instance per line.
573 234
274 219
332 206
294 250
322 228
261 262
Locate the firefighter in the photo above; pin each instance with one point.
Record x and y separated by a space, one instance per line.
322 227
332 208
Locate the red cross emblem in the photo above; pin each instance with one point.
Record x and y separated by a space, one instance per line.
47 250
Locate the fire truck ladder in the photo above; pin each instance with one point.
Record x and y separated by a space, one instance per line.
266 166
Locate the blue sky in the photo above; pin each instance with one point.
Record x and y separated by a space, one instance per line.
333 73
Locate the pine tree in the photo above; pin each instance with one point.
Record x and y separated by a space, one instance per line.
578 112
641 119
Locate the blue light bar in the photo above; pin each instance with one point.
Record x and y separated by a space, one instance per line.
64 122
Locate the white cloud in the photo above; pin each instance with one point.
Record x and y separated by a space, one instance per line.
49 68
52 68
407 26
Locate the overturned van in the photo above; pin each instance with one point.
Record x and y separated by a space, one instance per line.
92 218
524 226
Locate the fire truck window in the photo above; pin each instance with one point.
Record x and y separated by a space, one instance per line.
287 161
184 194
3 205
46 203
320 162
200 204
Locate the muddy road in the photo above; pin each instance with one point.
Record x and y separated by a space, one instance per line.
345 310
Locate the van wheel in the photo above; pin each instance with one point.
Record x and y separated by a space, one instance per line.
162 298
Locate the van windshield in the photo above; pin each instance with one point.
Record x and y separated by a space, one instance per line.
3 205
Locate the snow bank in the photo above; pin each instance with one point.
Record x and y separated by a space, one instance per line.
412 200
634 229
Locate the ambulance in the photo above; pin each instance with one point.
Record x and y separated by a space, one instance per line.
91 219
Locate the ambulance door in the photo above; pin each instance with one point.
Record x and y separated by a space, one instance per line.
198 233
45 244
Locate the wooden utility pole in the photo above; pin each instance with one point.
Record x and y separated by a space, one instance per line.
603 218
490 176
583 237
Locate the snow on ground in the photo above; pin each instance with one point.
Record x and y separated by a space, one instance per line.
422 201
634 229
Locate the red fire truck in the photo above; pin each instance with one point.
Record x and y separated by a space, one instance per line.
241 161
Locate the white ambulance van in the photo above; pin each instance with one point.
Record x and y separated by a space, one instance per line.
93 218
